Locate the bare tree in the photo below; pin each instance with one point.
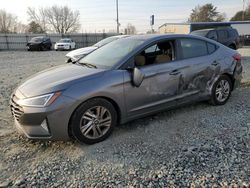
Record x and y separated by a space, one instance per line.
20 28
38 17
8 22
130 29
60 19
63 19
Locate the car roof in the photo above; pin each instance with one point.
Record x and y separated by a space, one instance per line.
218 28
149 37
40 37
120 36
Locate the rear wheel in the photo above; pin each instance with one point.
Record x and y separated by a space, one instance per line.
93 121
221 90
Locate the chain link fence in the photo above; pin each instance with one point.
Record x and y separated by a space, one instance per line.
19 41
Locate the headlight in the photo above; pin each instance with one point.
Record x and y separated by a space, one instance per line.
40 101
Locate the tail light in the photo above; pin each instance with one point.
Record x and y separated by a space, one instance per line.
237 57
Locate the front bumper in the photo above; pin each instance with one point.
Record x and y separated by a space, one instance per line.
49 123
33 47
62 47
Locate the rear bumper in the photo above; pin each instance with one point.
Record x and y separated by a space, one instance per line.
237 75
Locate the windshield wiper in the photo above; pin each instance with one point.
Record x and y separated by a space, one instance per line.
88 65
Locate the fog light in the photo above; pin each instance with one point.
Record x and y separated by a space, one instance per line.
44 125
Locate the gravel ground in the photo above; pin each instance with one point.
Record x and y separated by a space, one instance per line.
193 146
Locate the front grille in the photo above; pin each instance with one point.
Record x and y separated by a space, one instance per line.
16 110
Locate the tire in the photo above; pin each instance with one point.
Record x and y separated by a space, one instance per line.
227 89
83 124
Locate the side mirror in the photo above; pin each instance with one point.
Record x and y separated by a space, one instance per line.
137 77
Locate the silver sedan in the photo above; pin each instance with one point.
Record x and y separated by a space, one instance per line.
129 78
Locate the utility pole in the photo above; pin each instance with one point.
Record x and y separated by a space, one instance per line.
117 18
243 9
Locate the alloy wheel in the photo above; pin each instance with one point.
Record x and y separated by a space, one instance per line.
222 90
95 122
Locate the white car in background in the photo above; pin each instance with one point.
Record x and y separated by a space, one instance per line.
65 44
81 52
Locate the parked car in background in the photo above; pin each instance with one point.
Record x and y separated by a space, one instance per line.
39 43
245 39
81 52
227 36
65 44
121 81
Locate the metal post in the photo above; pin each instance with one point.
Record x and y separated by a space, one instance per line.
86 38
117 18
243 9
7 41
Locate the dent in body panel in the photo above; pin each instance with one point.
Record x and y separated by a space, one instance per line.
164 90
197 77
156 88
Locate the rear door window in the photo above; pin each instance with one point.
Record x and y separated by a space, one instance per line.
222 34
212 35
193 48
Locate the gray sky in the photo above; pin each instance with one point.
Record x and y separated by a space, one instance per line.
97 15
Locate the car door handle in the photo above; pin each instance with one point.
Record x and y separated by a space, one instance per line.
174 72
215 63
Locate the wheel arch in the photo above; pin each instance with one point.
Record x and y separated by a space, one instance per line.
116 106
231 78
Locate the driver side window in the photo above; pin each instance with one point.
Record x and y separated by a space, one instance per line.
161 52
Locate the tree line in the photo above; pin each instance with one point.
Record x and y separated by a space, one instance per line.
62 19
209 13
58 19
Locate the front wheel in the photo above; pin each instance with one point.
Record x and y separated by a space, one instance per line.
93 121
221 90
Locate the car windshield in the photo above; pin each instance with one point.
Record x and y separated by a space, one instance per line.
37 39
105 41
64 40
200 33
110 54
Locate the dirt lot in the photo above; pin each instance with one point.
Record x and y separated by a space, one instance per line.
189 146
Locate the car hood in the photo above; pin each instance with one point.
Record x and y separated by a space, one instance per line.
81 51
57 78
